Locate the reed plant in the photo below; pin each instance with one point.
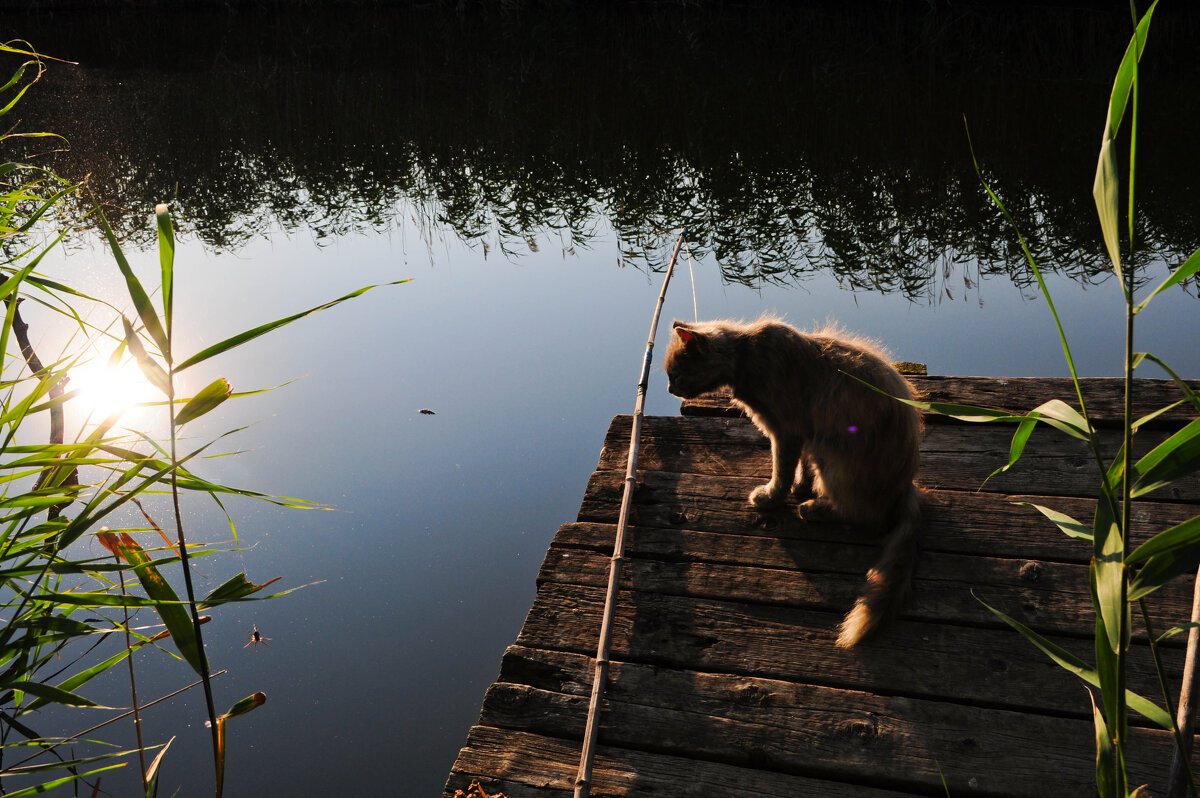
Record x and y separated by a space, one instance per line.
1122 576
65 613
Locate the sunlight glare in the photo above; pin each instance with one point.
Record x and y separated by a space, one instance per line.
104 390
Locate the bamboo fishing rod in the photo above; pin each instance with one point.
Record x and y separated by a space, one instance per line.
583 781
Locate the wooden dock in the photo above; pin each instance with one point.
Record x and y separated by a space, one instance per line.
726 681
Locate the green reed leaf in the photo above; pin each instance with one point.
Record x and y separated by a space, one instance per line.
1174 630
1105 191
1106 785
1161 569
1171 553
174 615
50 693
1017 447
1177 537
1188 394
154 372
249 335
1186 269
1069 662
1176 457
41 789
1069 526
1108 556
208 398
1106 187
166 257
1037 272
83 677
1064 418
137 294
234 589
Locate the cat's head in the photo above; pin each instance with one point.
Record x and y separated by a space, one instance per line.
693 363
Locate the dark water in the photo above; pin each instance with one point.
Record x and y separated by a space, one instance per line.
529 170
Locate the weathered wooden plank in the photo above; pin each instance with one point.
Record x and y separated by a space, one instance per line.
525 765
952 457
894 742
959 522
1104 396
984 666
1047 596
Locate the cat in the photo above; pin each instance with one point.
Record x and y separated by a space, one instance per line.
854 450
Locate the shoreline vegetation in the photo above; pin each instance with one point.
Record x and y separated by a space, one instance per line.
506 128
68 614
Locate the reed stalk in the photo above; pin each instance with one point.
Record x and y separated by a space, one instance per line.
583 780
1180 778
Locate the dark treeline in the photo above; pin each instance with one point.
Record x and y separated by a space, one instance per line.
787 138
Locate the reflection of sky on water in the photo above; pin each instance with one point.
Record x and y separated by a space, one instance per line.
427 564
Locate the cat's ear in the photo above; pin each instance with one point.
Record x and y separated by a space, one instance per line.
690 338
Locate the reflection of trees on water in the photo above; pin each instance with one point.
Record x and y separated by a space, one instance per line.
787 140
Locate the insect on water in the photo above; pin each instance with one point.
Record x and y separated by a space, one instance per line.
256 637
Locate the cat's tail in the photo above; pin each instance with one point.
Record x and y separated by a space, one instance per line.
889 581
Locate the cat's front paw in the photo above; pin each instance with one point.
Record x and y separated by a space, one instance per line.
764 496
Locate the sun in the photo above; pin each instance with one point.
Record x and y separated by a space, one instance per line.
104 390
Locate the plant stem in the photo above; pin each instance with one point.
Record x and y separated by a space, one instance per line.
55 391
137 717
187 578
1180 764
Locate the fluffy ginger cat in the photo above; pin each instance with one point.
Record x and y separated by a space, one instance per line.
853 450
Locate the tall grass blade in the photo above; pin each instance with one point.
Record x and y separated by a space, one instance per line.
154 372
1109 569
1176 457
1188 394
174 615
234 589
249 335
1107 660
1186 269
1069 526
1106 786
83 677
42 789
1068 661
50 693
1177 537
1170 553
152 771
1037 272
141 301
166 257
1105 191
1105 188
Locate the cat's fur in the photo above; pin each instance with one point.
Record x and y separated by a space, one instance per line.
853 449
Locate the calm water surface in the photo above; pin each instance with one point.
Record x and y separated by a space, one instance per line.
527 172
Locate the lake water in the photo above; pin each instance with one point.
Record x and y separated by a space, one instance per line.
529 172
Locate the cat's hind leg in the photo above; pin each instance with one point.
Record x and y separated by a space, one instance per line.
808 479
785 457
824 475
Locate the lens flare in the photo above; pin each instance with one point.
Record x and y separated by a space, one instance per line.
103 390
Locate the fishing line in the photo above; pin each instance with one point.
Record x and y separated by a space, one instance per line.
695 307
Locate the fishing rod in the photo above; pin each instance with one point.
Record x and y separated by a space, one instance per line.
584 778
